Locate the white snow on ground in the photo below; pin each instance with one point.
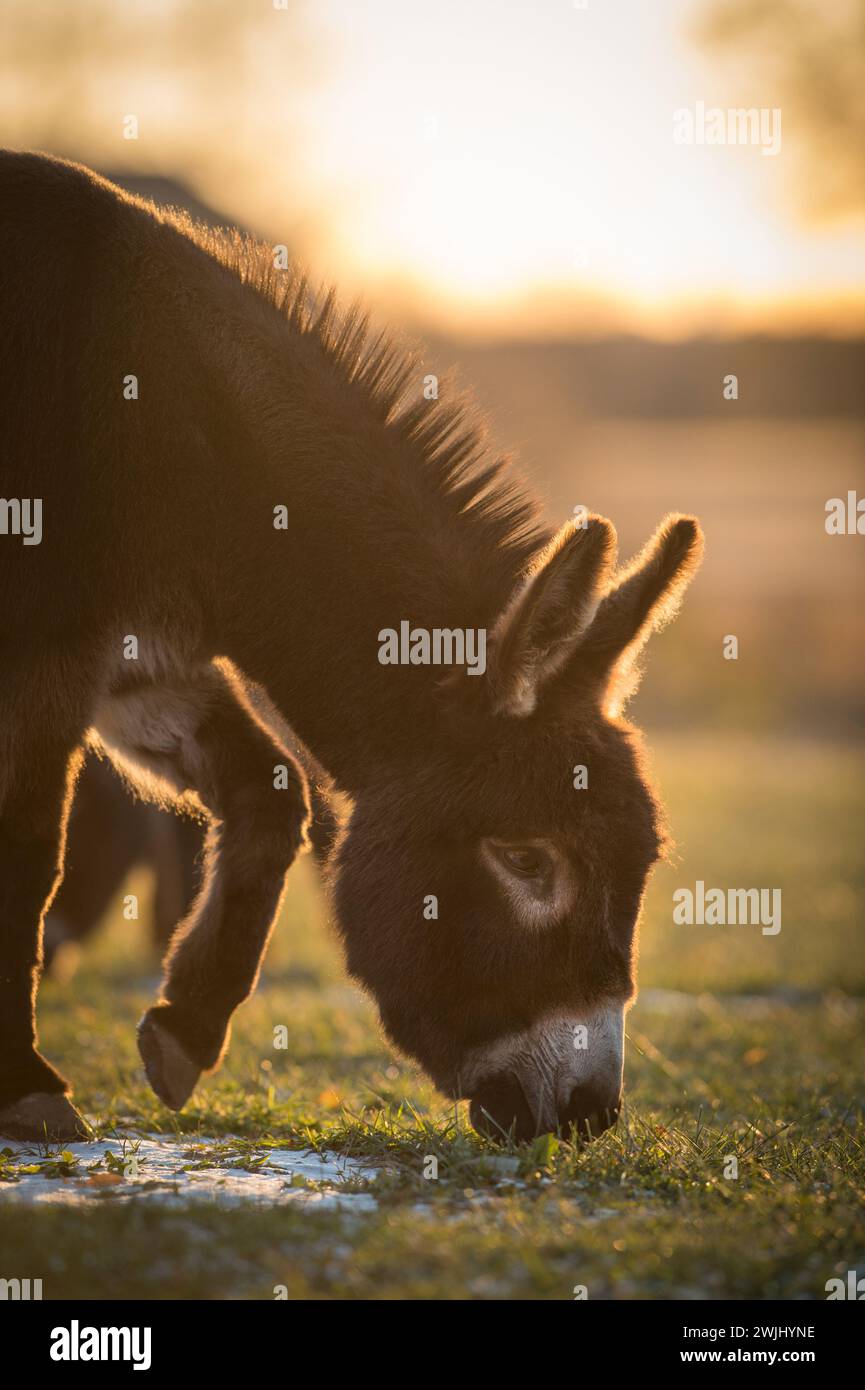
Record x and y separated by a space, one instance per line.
177 1171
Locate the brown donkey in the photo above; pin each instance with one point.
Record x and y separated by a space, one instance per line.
211 485
109 834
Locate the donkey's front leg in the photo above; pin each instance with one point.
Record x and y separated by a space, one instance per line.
38 764
257 799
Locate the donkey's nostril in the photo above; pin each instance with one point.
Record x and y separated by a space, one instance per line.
500 1110
590 1110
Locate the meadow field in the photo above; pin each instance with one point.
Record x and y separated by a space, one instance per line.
650 322
741 1045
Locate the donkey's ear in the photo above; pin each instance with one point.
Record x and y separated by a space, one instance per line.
550 610
643 598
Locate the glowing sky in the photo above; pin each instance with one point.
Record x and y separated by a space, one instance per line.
490 165
502 156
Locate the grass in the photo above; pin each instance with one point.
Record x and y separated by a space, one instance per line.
759 1059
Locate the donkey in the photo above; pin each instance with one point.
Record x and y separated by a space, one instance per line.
109 834
242 488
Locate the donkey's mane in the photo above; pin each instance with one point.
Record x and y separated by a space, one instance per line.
446 439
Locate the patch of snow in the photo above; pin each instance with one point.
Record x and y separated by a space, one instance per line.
178 1171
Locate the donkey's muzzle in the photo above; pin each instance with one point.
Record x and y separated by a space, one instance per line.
501 1111
589 1112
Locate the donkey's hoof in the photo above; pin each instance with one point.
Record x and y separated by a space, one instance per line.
170 1072
47 1116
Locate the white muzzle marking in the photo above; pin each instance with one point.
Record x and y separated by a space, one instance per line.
553 1057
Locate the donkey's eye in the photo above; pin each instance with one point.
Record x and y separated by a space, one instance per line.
529 862
535 877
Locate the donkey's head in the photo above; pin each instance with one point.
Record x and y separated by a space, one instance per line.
489 894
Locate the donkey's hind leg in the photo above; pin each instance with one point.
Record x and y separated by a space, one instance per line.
39 764
256 797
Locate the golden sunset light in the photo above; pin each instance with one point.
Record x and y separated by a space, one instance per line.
526 156
432 736
486 168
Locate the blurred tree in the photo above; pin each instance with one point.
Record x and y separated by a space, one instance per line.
211 83
813 54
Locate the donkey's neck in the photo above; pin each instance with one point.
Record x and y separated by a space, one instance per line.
373 532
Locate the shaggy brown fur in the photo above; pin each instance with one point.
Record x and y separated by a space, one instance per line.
159 524
109 834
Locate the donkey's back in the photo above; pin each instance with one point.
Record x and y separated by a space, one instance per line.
66 241
109 408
